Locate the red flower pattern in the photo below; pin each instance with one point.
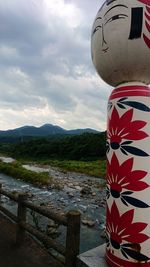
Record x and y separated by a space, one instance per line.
123 177
120 228
123 127
122 131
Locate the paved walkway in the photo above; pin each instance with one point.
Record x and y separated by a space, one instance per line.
30 254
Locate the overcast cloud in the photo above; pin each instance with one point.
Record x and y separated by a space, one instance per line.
46 72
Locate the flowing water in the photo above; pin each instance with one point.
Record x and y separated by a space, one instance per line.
91 202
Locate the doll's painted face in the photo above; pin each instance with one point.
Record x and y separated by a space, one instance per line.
121 13
106 18
121 28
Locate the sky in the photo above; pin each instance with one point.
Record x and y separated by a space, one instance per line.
46 71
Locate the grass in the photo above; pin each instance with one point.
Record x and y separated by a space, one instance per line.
16 170
96 168
93 168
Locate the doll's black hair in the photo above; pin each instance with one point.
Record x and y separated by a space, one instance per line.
136 23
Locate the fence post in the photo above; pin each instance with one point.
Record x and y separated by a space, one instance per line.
21 214
72 238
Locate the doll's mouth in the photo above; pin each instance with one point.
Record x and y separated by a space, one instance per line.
105 50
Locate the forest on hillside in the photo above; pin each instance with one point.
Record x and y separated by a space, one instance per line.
87 146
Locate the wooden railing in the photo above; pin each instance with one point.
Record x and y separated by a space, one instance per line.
71 220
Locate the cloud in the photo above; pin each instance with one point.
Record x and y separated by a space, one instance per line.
46 71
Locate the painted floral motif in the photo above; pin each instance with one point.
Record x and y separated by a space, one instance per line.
125 235
123 128
124 102
123 182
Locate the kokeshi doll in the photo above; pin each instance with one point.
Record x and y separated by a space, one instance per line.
120 48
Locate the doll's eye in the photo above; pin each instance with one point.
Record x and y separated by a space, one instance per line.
119 16
96 29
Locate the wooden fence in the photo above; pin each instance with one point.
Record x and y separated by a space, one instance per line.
71 220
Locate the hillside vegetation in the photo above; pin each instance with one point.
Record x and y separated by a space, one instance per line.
79 153
87 146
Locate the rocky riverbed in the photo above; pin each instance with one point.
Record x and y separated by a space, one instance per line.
74 191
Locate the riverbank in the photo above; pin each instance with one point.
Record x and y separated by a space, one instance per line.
16 170
76 191
95 168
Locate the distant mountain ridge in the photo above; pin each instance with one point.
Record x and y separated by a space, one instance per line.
44 130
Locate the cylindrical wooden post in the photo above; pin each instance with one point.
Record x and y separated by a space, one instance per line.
20 232
128 189
121 55
73 238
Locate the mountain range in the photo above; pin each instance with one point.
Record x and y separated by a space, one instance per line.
44 130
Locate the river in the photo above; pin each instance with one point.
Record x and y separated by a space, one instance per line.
77 191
